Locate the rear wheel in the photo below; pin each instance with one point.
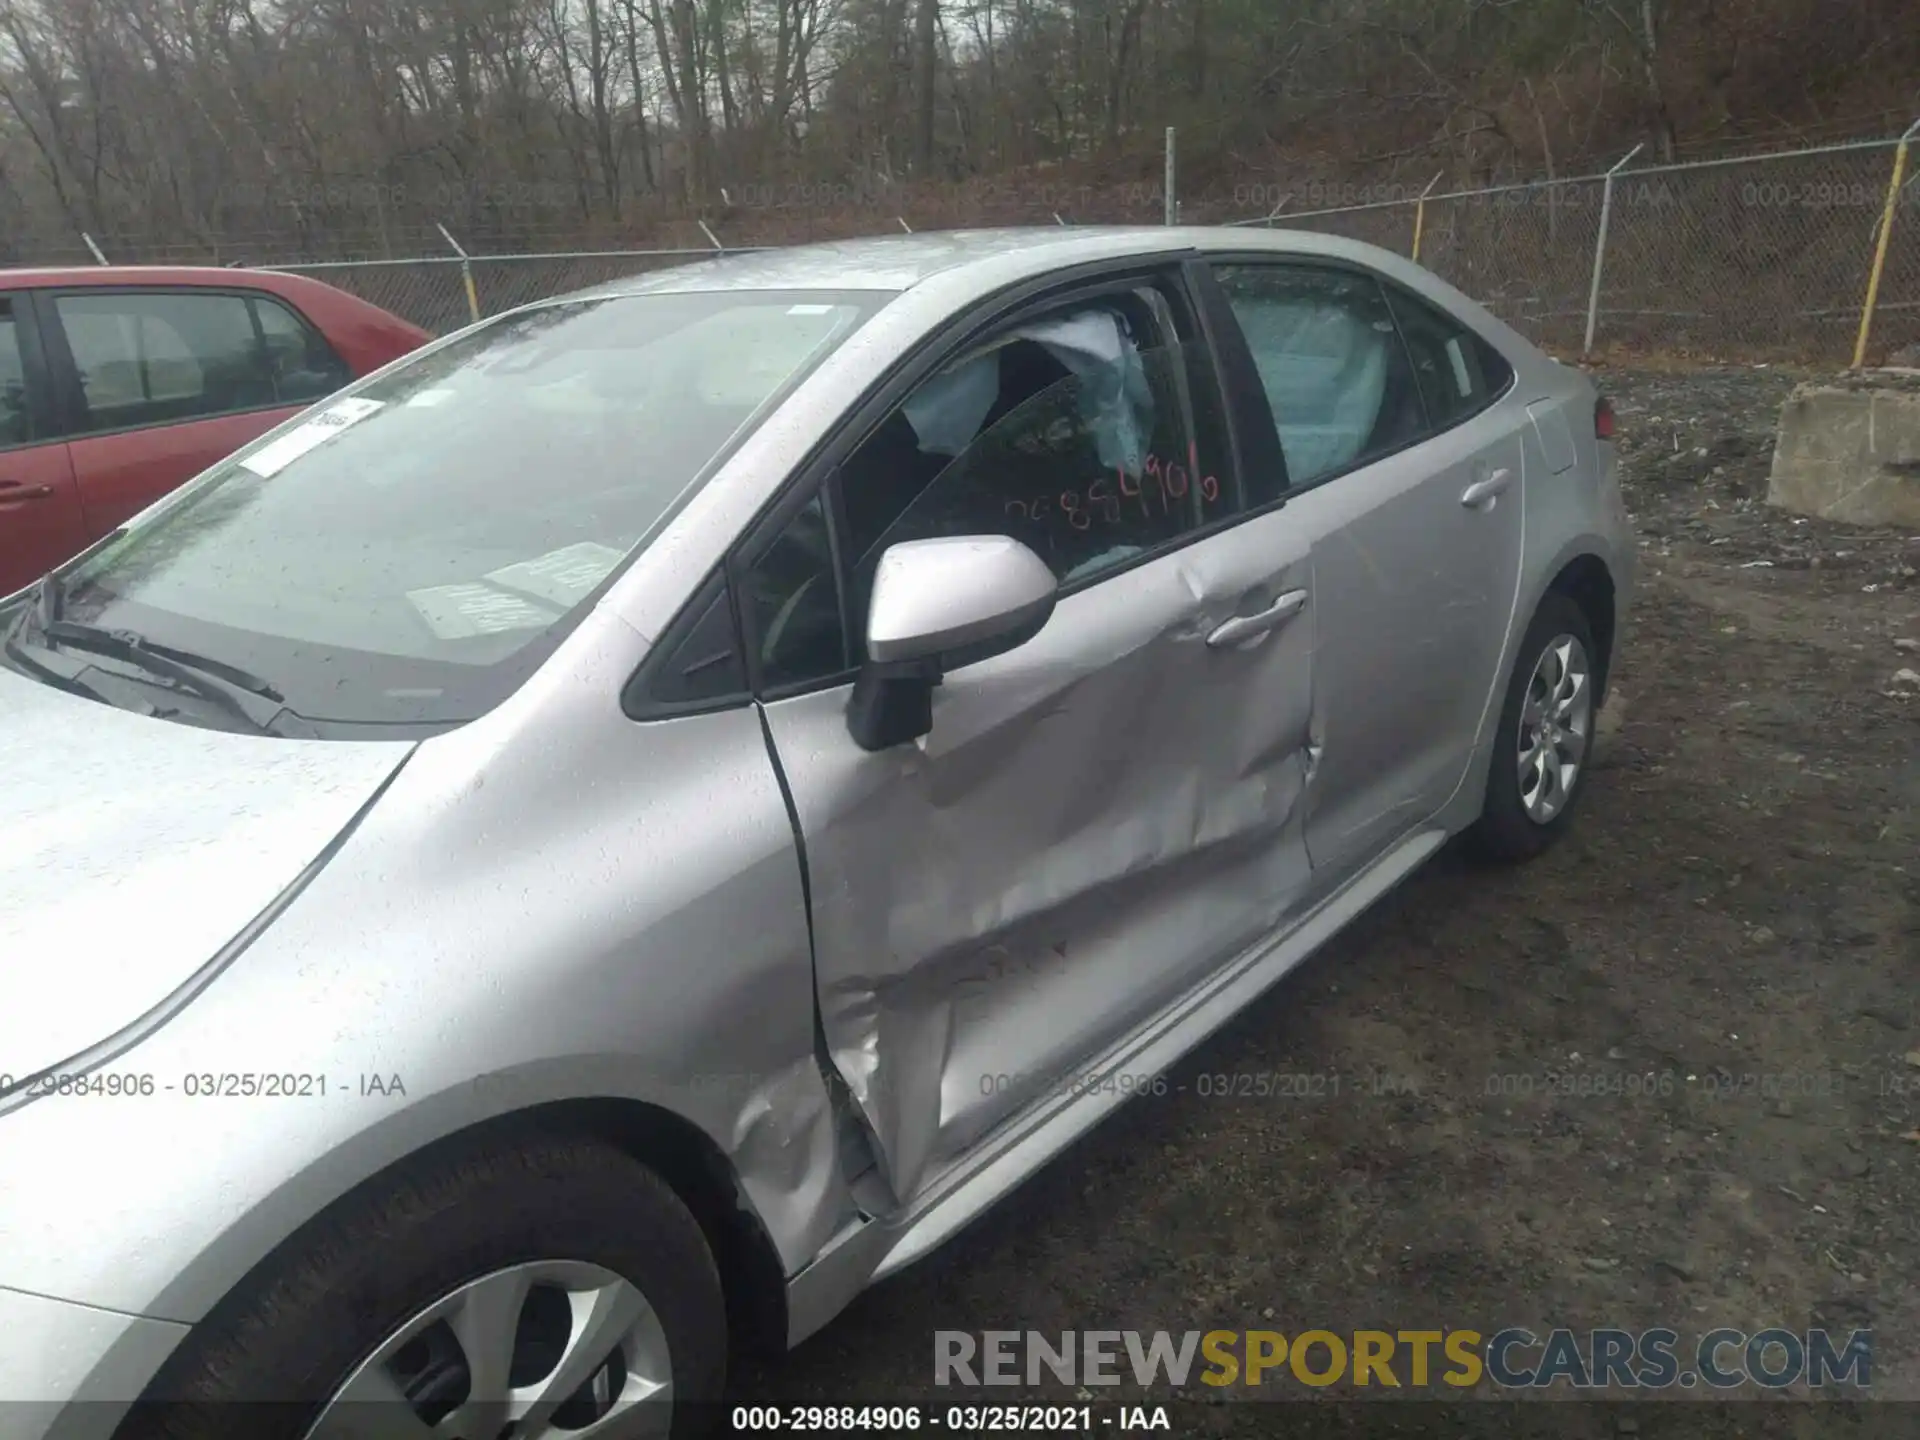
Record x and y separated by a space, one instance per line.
1545 736
550 1290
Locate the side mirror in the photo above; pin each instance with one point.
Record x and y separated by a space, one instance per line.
938 605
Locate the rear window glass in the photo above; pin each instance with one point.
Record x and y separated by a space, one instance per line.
1459 373
1330 362
158 357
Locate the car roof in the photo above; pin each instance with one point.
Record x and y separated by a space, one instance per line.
66 276
872 262
962 266
900 262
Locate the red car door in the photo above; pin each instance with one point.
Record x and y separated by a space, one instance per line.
119 475
40 517
160 385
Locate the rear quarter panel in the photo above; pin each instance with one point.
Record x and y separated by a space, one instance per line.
1577 513
1581 511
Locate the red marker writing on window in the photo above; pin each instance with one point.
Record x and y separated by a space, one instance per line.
1170 481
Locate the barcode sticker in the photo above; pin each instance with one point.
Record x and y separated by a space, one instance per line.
270 460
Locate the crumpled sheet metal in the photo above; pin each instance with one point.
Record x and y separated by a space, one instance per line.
783 1148
1098 820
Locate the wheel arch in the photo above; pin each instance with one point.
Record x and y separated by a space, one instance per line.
751 1275
752 1278
1582 572
1587 580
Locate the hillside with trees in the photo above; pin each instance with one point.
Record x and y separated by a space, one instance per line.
337 127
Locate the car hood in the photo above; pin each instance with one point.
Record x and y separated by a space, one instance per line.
133 849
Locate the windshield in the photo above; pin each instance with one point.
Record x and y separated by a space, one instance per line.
407 552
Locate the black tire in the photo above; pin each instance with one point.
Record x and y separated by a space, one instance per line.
269 1357
1504 831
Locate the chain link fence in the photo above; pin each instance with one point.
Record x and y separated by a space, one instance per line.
442 293
1766 256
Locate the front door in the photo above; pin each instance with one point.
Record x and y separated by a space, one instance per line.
40 520
1100 818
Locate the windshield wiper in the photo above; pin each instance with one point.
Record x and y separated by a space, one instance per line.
183 667
52 592
72 684
80 635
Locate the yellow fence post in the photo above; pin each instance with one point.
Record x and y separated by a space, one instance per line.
1420 215
466 271
1880 250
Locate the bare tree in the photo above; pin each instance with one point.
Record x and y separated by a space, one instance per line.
1643 35
323 126
926 23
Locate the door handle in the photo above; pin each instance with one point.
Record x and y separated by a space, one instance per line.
1481 491
1246 627
15 490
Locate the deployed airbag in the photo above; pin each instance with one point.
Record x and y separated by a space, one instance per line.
1114 398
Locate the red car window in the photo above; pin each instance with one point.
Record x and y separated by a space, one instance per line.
157 357
302 365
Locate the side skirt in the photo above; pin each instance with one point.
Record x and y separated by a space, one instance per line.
872 1249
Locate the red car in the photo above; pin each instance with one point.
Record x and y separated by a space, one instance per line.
118 383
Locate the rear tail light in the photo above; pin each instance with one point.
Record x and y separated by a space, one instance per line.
1602 419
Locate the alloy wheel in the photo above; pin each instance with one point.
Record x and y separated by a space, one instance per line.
1556 725
551 1350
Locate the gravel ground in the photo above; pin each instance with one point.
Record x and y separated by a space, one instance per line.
1736 908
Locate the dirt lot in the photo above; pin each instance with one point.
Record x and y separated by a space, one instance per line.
1736 916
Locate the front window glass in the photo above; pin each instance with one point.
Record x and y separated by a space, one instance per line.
406 553
1090 471
1089 434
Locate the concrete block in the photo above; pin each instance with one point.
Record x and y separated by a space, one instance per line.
1849 450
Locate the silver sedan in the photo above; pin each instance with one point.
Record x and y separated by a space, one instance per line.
616 832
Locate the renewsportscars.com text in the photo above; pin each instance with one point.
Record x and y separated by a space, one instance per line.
1513 1358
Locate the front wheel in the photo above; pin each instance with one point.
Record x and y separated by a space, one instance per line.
542 1289
1545 736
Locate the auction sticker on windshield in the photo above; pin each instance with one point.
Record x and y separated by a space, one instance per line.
517 597
562 577
460 612
270 460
